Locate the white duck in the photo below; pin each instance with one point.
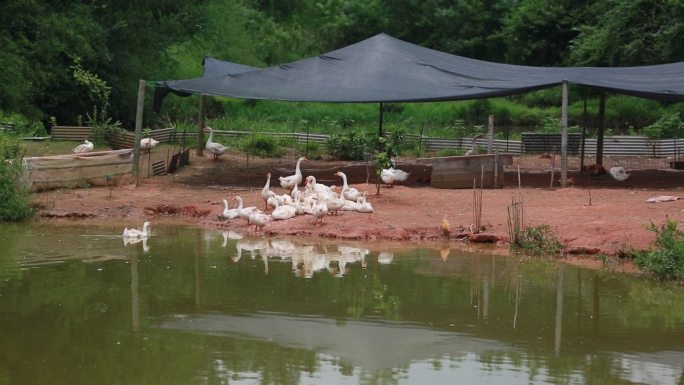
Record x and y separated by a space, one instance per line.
148 143
363 205
217 149
266 190
244 212
320 210
618 173
322 191
288 182
390 176
135 233
258 219
283 212
474 149
349 193
229 213
281 199
335 203
86 146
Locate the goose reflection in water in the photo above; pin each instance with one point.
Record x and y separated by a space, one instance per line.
132 241
306 259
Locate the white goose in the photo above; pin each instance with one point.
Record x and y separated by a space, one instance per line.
320 210
148 143
258 219
86 146
288 182
618 173
363 205
283 212
474 149
135 233
322 191
217 149
390 176
229 213
244 212
334 204
349 193
266 190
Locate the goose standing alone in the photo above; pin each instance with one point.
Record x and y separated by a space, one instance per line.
618 173
135 233
474 150
148 143
86 146
289 182
217 149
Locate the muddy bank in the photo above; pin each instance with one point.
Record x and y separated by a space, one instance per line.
614 221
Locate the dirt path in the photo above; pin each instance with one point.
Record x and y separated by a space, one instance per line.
614 221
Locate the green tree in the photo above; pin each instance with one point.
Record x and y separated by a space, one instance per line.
632 32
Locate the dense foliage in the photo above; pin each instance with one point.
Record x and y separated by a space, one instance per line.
15 203
48 46
666 259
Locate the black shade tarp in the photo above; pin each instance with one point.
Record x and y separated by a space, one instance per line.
386 69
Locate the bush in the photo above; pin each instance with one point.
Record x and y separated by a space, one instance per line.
666 260
668 126
15 201
538 241
263 146
354 146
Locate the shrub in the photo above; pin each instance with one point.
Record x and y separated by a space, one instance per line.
668 126
666 260
263 146
354 146
538 241
15 201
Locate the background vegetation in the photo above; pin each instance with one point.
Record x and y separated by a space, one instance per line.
59 56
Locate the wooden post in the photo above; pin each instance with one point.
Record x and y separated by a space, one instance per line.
380 121
564 135
490 135
584 133
138 131
601 128
201 122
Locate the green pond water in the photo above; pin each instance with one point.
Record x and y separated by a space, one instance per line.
199 306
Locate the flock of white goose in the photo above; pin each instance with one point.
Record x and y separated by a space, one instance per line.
316 199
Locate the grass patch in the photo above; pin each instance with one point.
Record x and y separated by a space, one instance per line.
15 200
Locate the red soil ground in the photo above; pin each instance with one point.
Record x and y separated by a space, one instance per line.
615 220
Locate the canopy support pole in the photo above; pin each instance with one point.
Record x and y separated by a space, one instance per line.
584 133
138 131
490 134
601 128
201 122
564 135
380 119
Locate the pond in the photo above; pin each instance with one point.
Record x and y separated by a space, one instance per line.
203 306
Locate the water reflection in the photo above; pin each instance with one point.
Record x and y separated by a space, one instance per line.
205 306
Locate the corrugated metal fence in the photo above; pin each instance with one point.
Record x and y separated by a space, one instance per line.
612 145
